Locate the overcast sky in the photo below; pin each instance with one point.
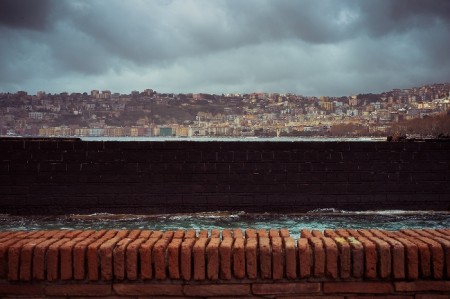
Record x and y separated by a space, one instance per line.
309 47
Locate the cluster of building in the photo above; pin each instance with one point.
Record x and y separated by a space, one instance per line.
149 113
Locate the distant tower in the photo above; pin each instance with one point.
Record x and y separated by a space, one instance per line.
41 94
95 93
106 94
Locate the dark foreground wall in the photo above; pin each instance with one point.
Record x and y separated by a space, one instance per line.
66 176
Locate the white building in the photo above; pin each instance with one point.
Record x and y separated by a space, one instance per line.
35 115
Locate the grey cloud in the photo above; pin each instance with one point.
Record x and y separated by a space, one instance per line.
25 14
156 35
77 52
304 46
311 21
386 17
22 56
153 33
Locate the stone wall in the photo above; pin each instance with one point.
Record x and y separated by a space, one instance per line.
58 176
330 264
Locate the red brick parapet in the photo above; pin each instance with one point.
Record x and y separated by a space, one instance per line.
333 263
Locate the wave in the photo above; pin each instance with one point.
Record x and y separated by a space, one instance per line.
376 212
315 219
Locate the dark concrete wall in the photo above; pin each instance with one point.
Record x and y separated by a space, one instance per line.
65 176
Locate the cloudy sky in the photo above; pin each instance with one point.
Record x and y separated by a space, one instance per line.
309 47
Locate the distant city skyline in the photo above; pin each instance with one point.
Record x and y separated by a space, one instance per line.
308 47
96 92
149 113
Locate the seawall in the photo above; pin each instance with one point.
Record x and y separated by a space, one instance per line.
333 264
59 176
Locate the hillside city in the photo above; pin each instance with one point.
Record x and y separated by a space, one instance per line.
150 113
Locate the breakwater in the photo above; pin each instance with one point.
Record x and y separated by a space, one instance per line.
60 176
338 264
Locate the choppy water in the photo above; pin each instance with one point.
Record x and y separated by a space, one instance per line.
320 219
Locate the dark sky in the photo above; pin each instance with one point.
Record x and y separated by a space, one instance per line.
309 47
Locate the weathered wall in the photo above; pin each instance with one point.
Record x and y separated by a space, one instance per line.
333 264
63 176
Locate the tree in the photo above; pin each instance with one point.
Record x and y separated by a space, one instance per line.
429 126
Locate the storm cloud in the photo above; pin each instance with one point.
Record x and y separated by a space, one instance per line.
25 14
310 47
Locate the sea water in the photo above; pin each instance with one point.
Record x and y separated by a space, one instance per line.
318 219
